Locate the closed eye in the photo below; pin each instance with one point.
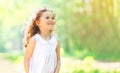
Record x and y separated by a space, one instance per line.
53 17
47 17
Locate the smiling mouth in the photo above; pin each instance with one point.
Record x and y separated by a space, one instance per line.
50 24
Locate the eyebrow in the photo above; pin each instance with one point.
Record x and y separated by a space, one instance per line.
50 15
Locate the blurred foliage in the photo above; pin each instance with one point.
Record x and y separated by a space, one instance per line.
84 27
87 65
13 57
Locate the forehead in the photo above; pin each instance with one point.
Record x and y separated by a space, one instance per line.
48 13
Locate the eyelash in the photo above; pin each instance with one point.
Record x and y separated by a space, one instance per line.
53 18
48 18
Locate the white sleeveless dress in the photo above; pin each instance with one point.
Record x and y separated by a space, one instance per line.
44 58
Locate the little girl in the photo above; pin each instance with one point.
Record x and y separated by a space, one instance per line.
42 50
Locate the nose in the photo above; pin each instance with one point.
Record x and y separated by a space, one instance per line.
51 20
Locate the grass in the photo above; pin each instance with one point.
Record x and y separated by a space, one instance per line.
13 57
87 65
83 62
81 54
69 63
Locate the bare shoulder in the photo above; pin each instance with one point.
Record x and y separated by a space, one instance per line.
30 48
31 43
58 44
32 40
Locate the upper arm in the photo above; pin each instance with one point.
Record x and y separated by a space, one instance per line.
58 50
30 48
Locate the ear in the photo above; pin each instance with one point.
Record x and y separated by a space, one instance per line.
37 23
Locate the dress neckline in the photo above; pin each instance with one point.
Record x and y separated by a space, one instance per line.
46 41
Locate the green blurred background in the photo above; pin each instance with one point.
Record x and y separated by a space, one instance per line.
86 28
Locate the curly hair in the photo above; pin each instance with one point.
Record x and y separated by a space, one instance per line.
32 28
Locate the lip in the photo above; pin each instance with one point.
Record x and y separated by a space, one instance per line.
50 24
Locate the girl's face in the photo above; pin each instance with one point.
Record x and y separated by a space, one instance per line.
47 21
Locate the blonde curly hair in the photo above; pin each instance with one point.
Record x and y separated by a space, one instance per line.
32 28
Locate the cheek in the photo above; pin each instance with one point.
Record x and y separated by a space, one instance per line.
43 21
44 24
54 21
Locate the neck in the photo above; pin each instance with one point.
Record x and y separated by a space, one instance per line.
45 34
